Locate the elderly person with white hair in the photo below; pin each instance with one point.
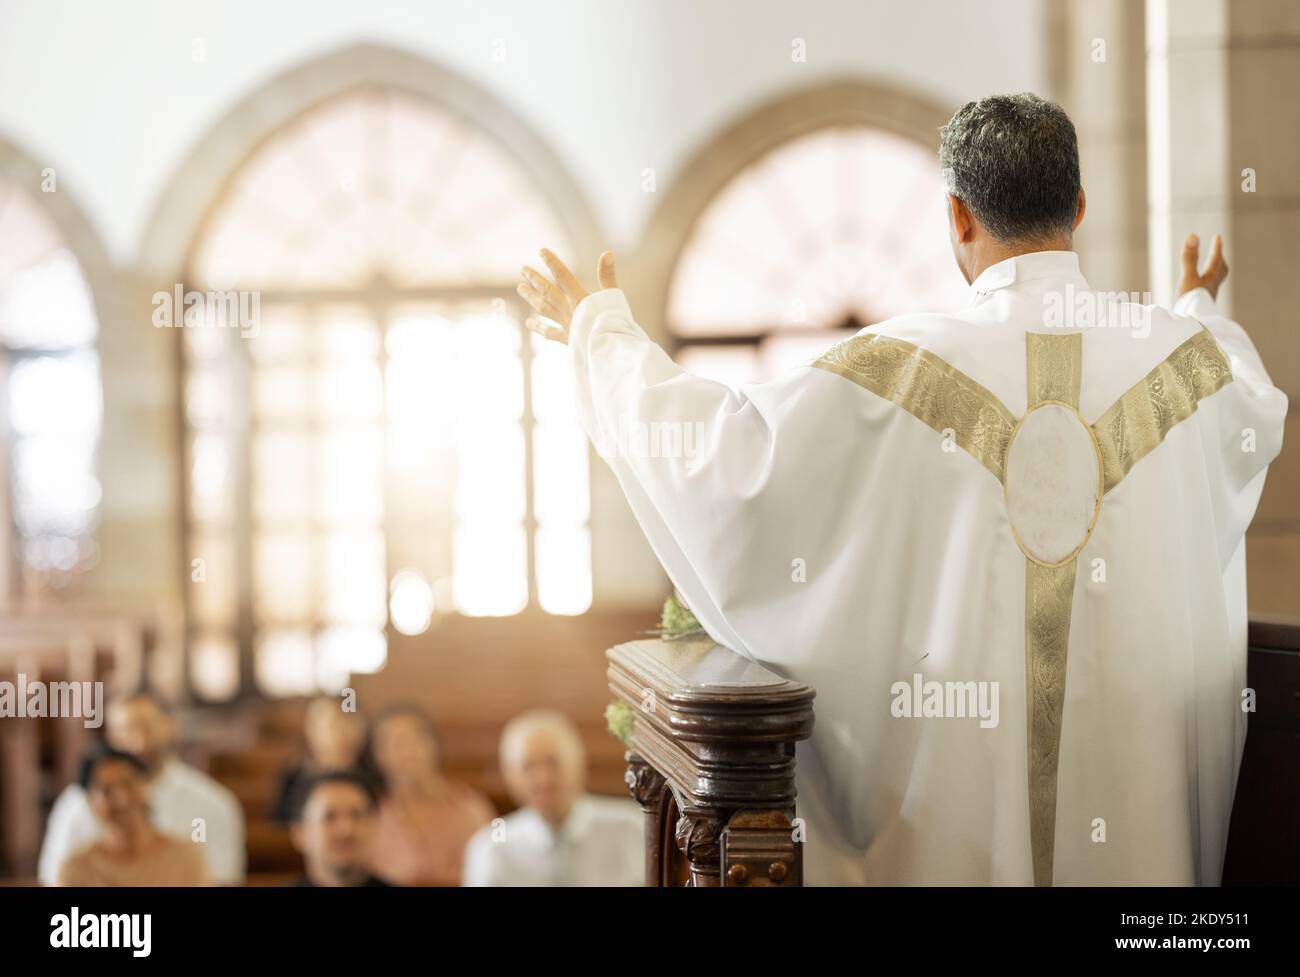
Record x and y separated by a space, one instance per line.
560 835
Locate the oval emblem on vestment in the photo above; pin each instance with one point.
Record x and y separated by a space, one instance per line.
1053 483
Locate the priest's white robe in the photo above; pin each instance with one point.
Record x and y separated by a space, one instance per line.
847 467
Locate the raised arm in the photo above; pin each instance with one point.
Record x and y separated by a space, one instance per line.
1251 410
1198 291
690 454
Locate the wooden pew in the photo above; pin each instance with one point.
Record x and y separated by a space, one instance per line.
39 756
711 759
250 762
131 636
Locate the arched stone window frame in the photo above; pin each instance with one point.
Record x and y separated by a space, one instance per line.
202 181
750 137
22 169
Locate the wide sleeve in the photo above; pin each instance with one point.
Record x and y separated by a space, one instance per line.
695 459
1249 415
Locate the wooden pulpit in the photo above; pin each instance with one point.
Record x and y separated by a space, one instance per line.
1264 837
711 758
711 739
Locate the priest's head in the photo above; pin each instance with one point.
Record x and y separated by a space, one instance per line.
543 763
1011 168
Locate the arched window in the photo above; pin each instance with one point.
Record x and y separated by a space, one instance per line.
386 443
830 231
53 406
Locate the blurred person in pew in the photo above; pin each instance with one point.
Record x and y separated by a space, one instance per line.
129 849
334 830
561 835
182 801
425 818
334 737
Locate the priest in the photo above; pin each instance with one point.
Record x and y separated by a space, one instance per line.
1034 507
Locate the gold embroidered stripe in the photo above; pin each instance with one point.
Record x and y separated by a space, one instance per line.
1049 594
1053 371
1054 367
1137 422
930 390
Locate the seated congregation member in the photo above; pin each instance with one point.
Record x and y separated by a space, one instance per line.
334 829
181 800
334 738
129 849
560 835
425 819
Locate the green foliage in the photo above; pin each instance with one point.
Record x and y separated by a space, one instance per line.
677 621
620 718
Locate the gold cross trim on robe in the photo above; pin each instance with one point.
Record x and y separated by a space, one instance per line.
1137 422
947 400
1053 372
930 390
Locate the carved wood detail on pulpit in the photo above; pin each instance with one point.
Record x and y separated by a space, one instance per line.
711 761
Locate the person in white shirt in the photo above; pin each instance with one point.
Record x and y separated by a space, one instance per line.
1005 545
560 836
183 802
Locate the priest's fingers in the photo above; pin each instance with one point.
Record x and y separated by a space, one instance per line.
544 285
1217 269
1191 257
568 283
1216 252
547 330
541 302
1192 277
605 271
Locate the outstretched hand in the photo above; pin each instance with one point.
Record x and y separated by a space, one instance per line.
1215 271
556 297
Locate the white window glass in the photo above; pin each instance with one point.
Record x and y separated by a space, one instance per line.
370 442
53 410
844 223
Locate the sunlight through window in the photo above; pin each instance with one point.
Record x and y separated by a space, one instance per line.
376 443
54 406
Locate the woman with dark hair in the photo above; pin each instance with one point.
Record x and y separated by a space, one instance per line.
425 820
129 849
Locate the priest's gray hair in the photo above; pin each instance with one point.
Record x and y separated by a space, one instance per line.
1013 160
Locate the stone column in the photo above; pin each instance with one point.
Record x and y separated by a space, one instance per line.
1224 156
1097 61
